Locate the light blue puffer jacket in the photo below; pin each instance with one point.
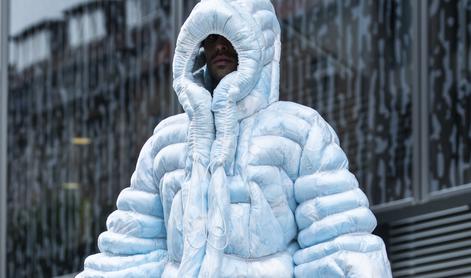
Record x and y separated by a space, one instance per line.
241 184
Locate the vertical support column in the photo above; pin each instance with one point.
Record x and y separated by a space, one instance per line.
416 105
424 103
420 103
4 46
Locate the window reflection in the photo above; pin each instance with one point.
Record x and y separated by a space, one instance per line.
351 61
85 93
449 81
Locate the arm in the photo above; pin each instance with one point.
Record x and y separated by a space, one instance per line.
333 217
135 241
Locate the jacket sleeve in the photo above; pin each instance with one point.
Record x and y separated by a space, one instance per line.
333 218
135 241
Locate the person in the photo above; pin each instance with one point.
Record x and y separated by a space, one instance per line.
220 56
241 184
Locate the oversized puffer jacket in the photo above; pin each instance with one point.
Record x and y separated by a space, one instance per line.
241 184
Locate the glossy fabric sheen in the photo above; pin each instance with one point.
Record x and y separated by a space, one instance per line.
241 184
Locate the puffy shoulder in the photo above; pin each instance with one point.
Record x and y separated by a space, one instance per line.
290 120
170 134
171 130
179 119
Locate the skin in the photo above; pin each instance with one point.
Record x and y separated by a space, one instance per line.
221 57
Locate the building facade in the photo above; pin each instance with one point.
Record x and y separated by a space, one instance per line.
393 78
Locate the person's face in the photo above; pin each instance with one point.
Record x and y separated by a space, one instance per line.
221 58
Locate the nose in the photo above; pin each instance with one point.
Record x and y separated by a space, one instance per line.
221 44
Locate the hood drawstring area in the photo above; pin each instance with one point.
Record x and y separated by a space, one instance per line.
195 187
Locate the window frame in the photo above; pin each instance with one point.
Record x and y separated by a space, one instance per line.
4 49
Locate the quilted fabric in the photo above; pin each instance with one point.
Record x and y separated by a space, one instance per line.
241 184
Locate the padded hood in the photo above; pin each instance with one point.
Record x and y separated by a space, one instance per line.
253 29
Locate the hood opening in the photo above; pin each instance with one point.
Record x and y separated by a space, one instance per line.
203 74
221 57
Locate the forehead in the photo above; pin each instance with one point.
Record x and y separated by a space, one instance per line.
212 38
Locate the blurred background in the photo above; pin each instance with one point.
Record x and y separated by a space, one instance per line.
85 82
